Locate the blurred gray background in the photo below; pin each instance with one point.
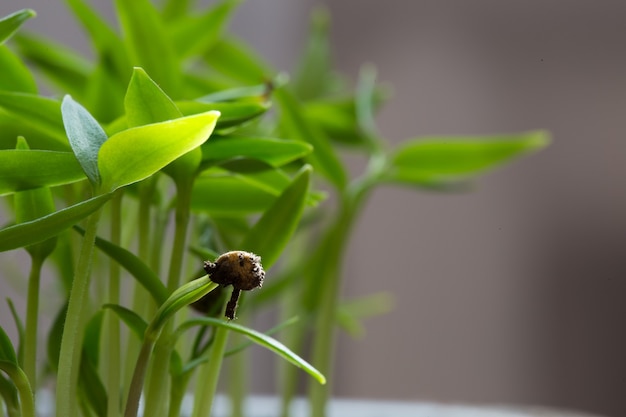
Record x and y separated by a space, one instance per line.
511 293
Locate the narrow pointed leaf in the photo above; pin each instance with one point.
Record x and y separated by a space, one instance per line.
432 161
132 319
9 24
86 137
7 352
134 154
297 126
234 59
147 41
135 266
15 74
260 339
232 113
272 232
27 233
275 152
27 169
197 34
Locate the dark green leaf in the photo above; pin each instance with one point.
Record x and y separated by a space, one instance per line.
132 319
148 43
91 387
9 24
7 352
272 232
134 154
35 231
28 169
8 392
91 341
260 339
135 266
54 338
196 34
86 137
275 152
20 330
15 75
297 126
432 161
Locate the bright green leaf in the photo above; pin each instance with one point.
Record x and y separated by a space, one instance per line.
146 102
27 233
86 137
27 169
134 154
432 161
272 232
9 24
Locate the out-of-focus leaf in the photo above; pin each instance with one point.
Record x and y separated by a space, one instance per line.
15 75
196 34
148 43
134 154
432 161
132 319
63 67
7 352
233 59
297 126
272 232
86 137
40 112
232 113
27 169
20 330
35 231
275 152
9 24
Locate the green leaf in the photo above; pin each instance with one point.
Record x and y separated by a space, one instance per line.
9 24
234 59
7 352
297 126
148 43
260 339
132 319
33 204
272 232
20 330
181 297
146 102
275 152
86 137
134 154
432 161
196 34
10 396
62 66
35 231
232 113
53 345
15 75
135 266
42 113
28 169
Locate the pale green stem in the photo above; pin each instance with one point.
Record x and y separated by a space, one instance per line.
32 320
136 385
237 379
20 380
208 375
73 330
112 335
157 387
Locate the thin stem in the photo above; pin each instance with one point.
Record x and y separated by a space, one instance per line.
136 385
178 391
208 375
69 359
20 380
32 320
112 335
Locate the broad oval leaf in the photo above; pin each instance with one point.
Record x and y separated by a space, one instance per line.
86 137
272 231
432 161
134 154
35 231
9 24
